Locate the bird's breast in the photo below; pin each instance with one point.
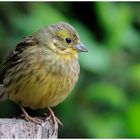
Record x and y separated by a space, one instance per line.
43 82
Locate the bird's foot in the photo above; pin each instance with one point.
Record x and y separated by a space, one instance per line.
54 118
32 119
26 116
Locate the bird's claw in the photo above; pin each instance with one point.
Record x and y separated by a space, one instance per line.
54 118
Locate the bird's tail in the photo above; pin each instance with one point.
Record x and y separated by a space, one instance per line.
3 94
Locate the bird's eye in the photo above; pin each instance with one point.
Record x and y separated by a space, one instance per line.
68 40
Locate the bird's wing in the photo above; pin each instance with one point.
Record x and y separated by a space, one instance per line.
3 93
14 56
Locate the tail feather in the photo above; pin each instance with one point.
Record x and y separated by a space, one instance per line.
3 94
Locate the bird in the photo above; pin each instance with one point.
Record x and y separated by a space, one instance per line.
43 68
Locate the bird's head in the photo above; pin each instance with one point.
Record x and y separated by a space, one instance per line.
62 38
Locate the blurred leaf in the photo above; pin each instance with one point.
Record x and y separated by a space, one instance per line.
116 19
107 126
131 40
132 119
39 15
104 92
134 76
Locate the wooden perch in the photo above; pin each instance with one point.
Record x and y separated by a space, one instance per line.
19 128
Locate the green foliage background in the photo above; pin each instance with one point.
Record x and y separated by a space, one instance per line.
106 100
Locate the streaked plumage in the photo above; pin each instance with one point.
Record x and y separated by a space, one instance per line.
43 68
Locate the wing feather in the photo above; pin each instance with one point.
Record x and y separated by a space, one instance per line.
15 56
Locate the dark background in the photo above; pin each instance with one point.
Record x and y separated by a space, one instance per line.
105 103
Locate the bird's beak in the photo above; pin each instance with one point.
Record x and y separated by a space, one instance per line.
80 47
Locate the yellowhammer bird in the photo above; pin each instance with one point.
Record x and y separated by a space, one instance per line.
43 68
